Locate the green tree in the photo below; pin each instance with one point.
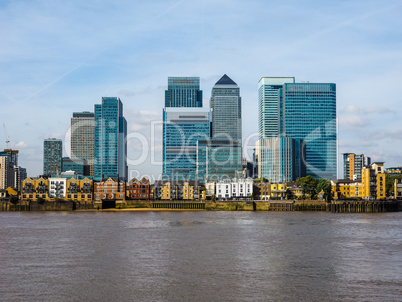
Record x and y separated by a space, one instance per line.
389 185
213 198
289 194
325 186
309 186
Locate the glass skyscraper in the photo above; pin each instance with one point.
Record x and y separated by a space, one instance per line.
276 159
182 128
183 92
225 105
305 112
82 139
110 139
218 159
310 115
270 105
52 156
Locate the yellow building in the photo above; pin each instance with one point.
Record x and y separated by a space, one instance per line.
178 190
373 181
371 186
278 191
186 192
398 188
165 191
79 190
33 189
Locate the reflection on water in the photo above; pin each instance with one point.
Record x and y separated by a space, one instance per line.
200 256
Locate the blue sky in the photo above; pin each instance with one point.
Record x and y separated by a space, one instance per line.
57 57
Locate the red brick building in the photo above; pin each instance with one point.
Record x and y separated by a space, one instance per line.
109 189
139 189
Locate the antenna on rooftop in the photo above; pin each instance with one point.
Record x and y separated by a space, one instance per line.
7 137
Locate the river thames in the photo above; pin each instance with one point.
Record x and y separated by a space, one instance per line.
200 256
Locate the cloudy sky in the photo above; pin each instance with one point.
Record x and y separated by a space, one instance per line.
58 57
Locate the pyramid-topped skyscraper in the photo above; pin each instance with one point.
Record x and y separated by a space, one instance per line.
226 109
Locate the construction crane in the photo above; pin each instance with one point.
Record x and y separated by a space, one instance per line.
7 137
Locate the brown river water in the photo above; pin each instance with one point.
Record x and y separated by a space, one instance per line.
200 256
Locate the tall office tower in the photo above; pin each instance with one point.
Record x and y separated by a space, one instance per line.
52 155
221 157
225 105
276 159
110 140
353 165
310 116
82 138
182 128
270 105
183 92
218 159
8 163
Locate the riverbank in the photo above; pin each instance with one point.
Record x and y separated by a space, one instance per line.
180 205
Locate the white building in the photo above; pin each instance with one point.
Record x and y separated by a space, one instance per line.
234 188
57 187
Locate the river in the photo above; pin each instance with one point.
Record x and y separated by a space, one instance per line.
200 256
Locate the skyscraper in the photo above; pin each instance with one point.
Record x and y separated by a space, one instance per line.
52 155
305 112
225 105
270 105
110 139
218 159
276 159
182 128
8 167
221 156
310 115
183 92
82 138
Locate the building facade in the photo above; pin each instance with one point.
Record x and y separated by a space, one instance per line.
79 166
8 166
109 189
52 156
353 165
183 92
276 159
110 140
371 186
310 117
237 188
139 189
270 105
83 138
225 106
182 128
218 159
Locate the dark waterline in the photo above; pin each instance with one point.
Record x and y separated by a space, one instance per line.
200 256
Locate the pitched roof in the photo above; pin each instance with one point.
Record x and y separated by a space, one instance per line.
225 80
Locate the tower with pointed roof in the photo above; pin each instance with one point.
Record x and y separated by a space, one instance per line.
226 109
221 156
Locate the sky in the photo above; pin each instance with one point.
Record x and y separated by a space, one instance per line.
60 57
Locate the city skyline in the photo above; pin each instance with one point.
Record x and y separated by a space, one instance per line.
69 60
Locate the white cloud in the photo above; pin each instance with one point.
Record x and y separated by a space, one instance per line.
353 121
